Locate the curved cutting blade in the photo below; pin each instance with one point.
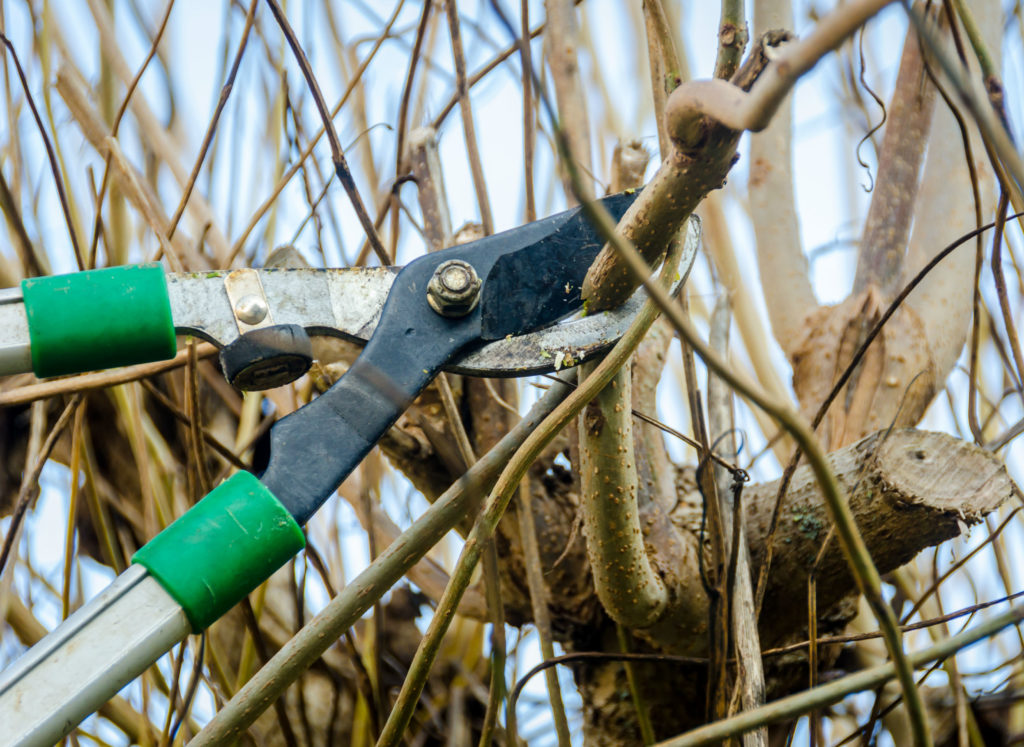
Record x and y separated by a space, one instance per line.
540 283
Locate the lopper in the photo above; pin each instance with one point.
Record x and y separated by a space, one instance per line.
487 308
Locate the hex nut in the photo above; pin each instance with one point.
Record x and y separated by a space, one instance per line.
454 288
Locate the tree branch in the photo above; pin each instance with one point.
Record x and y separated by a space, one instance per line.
687 173
884 242
630 590
945 209
561 40
733 107
780 257
739 589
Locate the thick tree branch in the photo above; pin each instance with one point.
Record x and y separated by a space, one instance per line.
625 582
561 41
629 589
780 257
908 491
884 242
945 209
738 589
687 173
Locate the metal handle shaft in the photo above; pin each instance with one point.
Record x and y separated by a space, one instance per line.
15 348
88 658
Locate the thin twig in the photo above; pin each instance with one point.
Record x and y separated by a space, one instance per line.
824 695
337 154
55 170
102 380
286 177
462 87
98 222
30 480
222 100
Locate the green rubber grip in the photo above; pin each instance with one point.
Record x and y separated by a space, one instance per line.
222 548
97 319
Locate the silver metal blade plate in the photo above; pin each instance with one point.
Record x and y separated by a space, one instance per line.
346 303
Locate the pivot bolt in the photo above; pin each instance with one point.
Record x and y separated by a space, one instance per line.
454 289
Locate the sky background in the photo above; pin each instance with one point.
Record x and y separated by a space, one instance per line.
831 193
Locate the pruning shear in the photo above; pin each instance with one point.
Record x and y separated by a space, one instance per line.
487 308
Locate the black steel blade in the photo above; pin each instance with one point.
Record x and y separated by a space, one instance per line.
532 277
540 283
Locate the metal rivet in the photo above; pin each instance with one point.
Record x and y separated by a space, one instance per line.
454 288
251 309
